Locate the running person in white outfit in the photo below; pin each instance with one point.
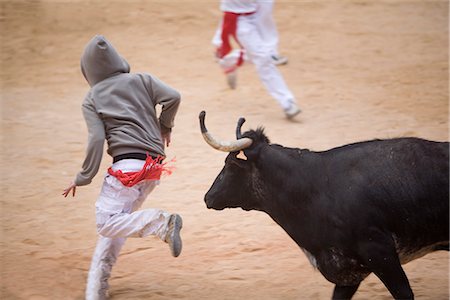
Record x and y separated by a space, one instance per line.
121 108
241 21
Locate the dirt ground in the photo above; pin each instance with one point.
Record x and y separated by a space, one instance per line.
360 70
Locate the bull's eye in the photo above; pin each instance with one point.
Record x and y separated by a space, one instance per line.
241 163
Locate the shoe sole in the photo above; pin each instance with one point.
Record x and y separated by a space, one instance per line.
232 80
291 116
175 243
281 63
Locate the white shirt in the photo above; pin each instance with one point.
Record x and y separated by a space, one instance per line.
238 6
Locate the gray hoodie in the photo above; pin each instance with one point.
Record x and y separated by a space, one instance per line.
121 108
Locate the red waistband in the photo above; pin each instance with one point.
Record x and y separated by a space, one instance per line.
240 14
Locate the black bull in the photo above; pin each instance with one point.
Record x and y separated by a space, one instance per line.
356 209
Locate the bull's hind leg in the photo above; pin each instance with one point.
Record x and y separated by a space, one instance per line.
379 254
344 292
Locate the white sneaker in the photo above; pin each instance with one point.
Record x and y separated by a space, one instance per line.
279 60
292 111
173 234
232 79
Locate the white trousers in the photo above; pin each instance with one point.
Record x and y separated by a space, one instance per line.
259 53
266 25
117 218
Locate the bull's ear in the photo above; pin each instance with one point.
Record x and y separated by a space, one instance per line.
241 155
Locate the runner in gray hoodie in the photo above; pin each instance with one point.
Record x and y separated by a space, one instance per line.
121 108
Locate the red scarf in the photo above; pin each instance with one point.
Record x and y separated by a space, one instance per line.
152 170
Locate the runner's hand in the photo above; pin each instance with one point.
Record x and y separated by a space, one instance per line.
166 138
72 187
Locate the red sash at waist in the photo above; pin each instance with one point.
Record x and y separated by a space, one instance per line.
152 170
229 27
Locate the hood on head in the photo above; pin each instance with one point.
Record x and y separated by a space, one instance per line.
100 60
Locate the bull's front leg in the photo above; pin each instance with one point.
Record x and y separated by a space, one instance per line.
380 256
344 292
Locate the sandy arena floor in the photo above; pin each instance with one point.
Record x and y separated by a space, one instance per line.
360 69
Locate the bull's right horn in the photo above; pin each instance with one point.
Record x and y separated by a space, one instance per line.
226 146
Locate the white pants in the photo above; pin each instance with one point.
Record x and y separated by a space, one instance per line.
117 218
266 25
259 53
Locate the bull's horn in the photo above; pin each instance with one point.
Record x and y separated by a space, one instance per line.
226 146
238 128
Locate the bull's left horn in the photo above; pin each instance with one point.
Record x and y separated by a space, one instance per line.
226 146
238 128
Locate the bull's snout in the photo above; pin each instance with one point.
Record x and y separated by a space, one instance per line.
209 201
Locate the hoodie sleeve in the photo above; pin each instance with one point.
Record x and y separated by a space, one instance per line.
169 98
94 151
